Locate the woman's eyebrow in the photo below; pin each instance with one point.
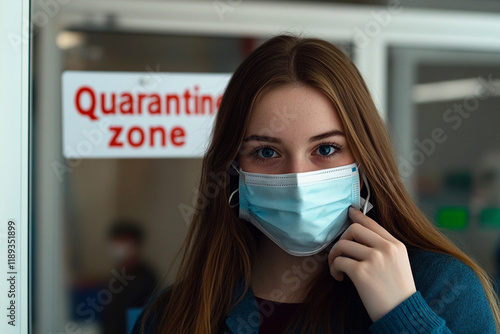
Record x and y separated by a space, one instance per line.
262 138
326 135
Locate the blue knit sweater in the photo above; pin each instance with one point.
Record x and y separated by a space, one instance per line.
449 299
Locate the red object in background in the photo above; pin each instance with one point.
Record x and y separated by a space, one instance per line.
247 46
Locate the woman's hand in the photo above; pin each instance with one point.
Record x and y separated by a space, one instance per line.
376 262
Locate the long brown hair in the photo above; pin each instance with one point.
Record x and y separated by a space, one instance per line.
220 249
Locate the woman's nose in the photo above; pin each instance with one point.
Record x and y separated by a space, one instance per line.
300 165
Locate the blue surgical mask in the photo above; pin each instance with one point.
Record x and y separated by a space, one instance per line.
301 212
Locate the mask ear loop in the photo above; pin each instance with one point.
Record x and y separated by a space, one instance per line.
365 206
231 197
237 189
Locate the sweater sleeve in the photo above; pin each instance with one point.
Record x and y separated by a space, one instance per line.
449 299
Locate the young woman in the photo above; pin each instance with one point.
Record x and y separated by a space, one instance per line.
280 242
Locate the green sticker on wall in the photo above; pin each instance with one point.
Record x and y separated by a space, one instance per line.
490 217
452 218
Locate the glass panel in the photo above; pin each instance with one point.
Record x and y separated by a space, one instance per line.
447 103
109 201
142 196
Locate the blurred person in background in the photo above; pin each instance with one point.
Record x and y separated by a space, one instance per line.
126 239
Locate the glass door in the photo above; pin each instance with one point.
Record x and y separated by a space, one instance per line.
444 115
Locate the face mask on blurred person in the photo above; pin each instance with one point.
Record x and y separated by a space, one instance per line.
119 251
301 212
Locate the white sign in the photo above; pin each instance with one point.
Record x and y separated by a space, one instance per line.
139 115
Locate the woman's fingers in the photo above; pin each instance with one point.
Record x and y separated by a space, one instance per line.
346 249
341 265
362 237
375 261
357 216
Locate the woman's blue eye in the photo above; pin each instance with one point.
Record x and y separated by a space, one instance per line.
266 152
325 150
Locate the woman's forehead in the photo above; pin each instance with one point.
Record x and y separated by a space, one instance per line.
293 110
